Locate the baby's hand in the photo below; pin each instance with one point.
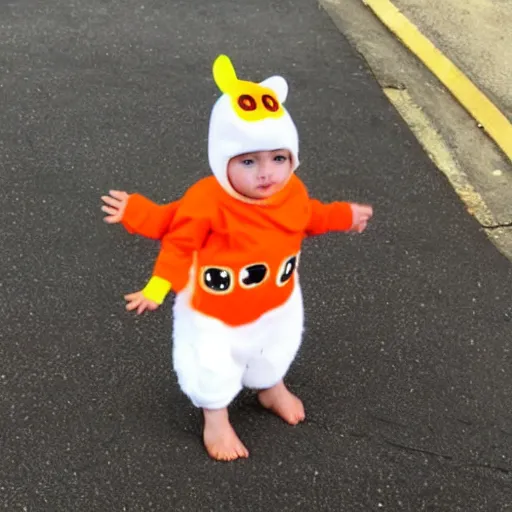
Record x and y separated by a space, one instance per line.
361 214
115 205
139 302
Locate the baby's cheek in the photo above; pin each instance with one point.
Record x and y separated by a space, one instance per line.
285 175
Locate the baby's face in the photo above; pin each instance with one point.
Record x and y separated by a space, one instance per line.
260 175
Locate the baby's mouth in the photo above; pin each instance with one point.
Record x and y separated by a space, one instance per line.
265 186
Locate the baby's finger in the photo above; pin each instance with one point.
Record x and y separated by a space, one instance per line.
131 306
141 308
109 210
111 201
112 219
134 304
132 296
118 194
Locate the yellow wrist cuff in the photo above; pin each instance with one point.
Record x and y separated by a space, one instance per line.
157 289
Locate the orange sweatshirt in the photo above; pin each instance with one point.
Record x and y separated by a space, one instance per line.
243 255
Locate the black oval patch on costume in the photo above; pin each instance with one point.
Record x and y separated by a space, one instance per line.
288 269
247 102
270 103
217 279
253 275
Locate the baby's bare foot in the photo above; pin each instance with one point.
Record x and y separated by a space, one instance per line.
220 440
283 403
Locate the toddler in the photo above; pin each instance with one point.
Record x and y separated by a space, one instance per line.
230 250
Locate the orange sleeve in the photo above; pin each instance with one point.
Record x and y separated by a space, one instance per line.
146 218
187 233
335 216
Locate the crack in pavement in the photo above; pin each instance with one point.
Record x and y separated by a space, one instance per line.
492 467
498 226
419 450
483 465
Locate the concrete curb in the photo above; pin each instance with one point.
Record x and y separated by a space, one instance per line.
440 154
462 88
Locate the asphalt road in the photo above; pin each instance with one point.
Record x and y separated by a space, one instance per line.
406 365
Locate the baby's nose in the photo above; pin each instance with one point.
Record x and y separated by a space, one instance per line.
265 172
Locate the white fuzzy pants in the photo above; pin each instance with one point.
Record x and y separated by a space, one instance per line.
214 362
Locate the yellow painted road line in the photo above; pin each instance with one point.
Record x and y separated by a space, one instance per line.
471 98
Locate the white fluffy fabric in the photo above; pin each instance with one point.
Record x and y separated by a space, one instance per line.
214 362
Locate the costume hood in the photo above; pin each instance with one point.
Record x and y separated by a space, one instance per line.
248 117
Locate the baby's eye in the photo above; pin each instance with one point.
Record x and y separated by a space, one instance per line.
280 158
247 161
